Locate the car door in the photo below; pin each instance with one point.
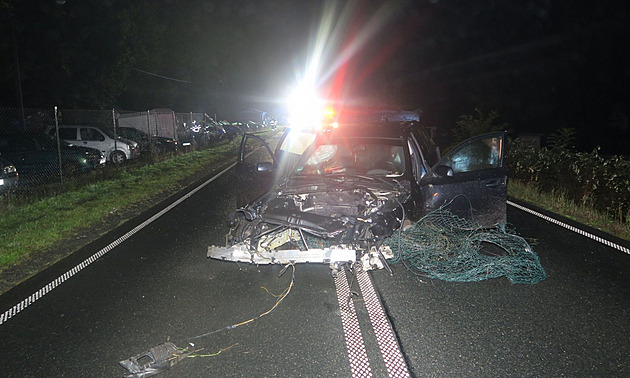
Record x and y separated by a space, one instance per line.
91 137
258 169
470 180
254 169
69 134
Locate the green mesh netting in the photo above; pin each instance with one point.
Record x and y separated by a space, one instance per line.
444 246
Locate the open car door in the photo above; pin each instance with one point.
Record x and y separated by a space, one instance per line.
254 169
258 168
471 179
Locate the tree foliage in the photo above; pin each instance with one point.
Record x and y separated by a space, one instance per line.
76 54
587 178
562 139
140 54
470 125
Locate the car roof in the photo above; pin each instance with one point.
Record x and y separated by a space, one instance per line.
371 130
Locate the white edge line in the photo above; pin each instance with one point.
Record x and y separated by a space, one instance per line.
64 277
572 228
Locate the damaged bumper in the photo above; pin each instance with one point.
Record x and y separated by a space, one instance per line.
240 253
334 257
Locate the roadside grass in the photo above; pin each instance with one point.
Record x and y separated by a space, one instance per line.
558 203
28 227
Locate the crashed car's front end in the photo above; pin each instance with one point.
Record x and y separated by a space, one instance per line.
341 200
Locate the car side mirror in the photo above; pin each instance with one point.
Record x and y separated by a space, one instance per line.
443 170
264 167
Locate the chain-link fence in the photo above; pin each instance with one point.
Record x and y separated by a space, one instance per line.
54 145
25 150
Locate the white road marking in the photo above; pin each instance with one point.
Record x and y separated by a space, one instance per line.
385 337
387 343
357 356
64 277
572 228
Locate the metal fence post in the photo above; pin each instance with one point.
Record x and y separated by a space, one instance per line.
175 136
115 132
151 139
149 122
58 146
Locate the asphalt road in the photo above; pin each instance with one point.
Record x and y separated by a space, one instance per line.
158 285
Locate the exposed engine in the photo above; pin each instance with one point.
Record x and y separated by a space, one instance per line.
343 216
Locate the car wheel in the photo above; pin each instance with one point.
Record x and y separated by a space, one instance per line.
118 157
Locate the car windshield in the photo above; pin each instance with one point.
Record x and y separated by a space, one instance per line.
378 157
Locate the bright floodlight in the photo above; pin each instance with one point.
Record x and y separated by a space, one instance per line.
305 107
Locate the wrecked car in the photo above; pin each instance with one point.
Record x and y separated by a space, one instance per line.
333 195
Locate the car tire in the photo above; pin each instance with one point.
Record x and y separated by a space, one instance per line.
118 157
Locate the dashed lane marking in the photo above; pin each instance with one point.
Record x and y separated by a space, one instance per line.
572 228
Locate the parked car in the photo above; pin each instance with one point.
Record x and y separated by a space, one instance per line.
145 141
241 125
333 195
254 125
232 131
9 177
116 149
207 131
36 157
214 130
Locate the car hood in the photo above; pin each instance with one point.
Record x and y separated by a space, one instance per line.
339 207
80 150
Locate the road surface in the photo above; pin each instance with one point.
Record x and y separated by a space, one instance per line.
157 285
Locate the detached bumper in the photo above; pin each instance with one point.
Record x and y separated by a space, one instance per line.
240 253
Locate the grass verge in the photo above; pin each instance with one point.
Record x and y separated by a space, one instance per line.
559 204
31 228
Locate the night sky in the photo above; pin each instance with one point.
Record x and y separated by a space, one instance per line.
543 65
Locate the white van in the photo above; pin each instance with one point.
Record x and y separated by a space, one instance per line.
115 149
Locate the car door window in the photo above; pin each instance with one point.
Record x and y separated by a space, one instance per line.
291 147
256 151
91 135
417 166
68 133
296 142
476 154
